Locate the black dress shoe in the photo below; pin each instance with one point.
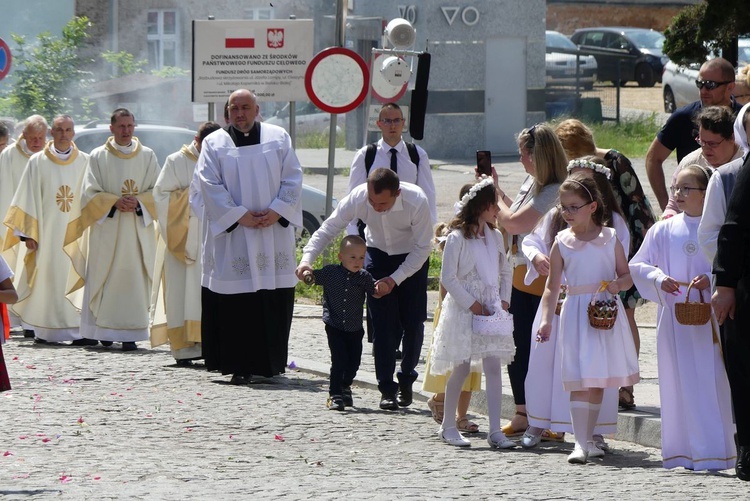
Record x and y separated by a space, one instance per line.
184 362
743 463
40 340
405 395
106 343
84 342
388 403
346 395
129 346
28 333
239 380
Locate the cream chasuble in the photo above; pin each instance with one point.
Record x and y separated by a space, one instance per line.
176 311
13 160
40 210
115 257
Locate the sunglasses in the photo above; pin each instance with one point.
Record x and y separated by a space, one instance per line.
710 84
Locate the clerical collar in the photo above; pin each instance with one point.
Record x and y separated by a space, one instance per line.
62 155
244 138
124 149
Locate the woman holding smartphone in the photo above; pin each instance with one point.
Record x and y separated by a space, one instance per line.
544 160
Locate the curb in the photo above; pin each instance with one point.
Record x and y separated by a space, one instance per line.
642 427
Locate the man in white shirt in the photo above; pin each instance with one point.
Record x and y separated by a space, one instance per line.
398 236
391 125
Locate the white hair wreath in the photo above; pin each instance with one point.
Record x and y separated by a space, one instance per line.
485 181
588 164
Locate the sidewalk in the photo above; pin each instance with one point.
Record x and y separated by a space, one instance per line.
309 353
641 425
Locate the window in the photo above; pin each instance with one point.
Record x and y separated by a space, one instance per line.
259 13
162 38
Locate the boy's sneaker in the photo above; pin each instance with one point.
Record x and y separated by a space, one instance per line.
335 403
347 396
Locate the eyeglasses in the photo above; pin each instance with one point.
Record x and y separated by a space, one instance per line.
708 144
710 84
391 121
684 189
571 209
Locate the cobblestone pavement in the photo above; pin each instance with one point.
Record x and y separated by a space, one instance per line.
97 423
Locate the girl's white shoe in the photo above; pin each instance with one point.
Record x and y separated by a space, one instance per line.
454 437
498 440
594 451
578 456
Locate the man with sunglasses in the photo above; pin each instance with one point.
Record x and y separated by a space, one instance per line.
717 147
716 83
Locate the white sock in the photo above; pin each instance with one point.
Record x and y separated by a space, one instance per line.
494 391
579 415
592 419
452 392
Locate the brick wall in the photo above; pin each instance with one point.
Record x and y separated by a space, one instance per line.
567 18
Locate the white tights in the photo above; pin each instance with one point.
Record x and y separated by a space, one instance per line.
494 391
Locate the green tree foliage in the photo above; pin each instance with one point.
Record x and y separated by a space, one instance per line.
48 78
124 63
711 25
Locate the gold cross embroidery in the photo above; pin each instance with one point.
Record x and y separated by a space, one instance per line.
64 198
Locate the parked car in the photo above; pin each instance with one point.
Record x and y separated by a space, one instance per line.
645 45
678 85
165 140
561 66
310 119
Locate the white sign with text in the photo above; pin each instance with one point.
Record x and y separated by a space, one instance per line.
267 57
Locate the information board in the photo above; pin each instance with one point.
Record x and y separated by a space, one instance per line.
267 57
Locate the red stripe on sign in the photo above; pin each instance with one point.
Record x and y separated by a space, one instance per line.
239 43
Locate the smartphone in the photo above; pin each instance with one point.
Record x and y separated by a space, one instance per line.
484 162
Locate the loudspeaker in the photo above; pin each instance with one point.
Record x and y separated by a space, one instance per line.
418 106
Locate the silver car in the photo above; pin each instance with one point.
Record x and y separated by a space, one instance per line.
165 140
561 67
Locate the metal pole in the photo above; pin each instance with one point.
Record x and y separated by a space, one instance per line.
340 40
293 114
211 106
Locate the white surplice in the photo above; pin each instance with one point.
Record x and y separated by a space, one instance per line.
40 210
547 402
234 180
176 297
696 414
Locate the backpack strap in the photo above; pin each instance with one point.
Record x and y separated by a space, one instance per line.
370 157
372 150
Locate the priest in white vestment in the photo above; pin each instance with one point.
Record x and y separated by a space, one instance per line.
38 216
250 183
13 160
176 299
116 216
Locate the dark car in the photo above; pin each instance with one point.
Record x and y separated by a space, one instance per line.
644 46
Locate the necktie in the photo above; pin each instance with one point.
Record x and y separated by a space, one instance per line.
394 164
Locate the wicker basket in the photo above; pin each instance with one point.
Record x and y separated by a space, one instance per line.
602 313
695 313
561 299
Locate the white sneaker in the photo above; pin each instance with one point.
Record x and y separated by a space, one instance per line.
578 456
594 451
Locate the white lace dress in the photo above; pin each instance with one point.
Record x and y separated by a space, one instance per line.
454 341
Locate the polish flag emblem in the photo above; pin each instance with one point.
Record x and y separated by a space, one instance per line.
275 38
239 39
